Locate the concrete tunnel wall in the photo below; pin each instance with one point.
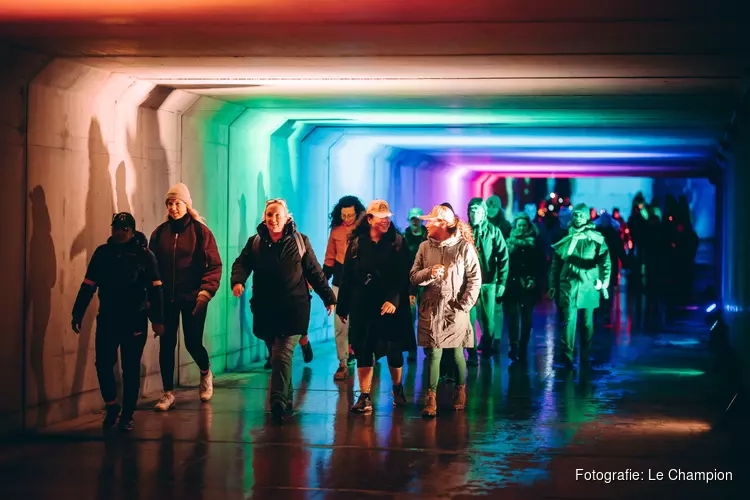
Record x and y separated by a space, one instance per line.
99 142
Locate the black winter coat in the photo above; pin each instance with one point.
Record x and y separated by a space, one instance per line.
528 263
375 274
280 300
188 257
127 279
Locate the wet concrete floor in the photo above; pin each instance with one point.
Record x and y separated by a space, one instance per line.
648 405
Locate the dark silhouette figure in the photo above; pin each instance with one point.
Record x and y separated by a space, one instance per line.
98 217
123 205
42 278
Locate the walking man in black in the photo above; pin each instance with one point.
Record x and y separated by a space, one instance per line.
125 273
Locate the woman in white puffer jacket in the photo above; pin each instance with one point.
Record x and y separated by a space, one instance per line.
447 266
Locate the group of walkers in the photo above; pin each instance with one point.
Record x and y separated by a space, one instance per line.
442 273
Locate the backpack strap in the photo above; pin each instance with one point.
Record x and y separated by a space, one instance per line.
354 244
256 244
300 244
398 242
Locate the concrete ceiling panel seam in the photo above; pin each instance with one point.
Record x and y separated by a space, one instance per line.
228 70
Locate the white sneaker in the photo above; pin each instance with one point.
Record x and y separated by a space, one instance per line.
166 402
206 389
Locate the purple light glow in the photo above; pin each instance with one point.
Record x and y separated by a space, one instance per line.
535 170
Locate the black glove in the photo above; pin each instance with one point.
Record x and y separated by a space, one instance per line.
76 324
328 272
201 305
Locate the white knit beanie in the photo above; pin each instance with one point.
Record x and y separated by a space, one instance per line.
181 192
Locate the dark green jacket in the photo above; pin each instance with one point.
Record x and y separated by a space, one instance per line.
577 265
493 253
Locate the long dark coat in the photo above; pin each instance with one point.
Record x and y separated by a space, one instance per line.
280 300
375 274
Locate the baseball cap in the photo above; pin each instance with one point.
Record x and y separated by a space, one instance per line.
440 212
379 208
123 220
415 212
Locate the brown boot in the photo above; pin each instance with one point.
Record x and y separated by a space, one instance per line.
459 398
430 404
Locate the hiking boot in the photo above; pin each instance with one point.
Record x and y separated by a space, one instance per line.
459 397
363 404
399 399
110 416
430 404
307 352
166 402
206 390
341 373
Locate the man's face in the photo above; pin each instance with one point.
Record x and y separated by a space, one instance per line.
415 222
476 215
580 218
121 235
348 216
493 206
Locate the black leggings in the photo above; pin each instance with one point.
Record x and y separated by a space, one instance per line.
192 330
366 355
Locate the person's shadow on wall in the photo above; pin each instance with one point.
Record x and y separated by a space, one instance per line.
121 185
99 211
42 279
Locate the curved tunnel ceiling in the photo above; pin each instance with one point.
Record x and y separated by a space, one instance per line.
527 89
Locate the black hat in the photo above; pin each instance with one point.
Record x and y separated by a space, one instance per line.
123 220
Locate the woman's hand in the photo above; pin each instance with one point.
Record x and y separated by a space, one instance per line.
438 271
387 308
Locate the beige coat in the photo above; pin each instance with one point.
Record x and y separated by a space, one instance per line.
445 304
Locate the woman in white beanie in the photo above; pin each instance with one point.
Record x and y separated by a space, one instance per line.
190 264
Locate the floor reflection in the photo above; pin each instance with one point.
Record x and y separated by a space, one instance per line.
526 428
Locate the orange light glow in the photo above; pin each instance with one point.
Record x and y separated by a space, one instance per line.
34 9
664 426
